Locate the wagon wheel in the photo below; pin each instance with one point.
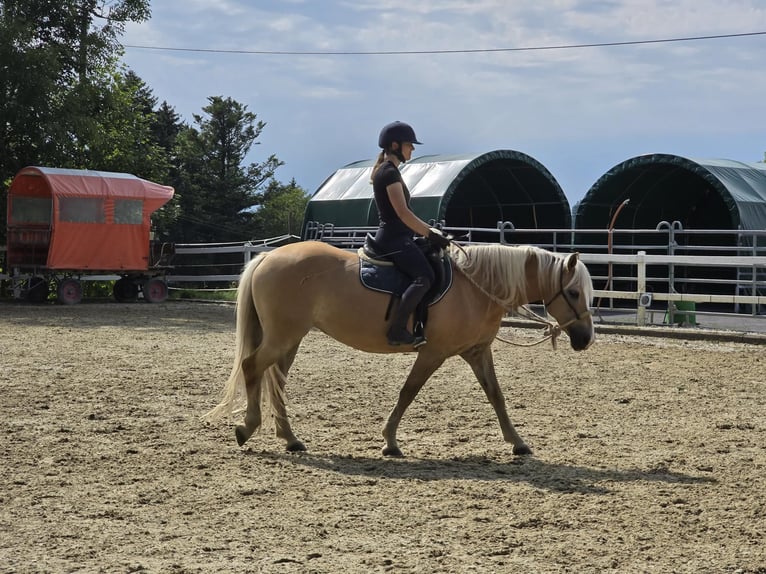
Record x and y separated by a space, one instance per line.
155 290
69 291
37 290
125 290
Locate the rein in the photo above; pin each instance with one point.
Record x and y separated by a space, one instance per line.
552 330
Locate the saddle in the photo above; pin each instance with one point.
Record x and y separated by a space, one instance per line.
378 273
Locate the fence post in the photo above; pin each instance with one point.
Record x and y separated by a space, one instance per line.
641 287
504 226
754 271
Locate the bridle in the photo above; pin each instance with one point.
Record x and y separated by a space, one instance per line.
553 329
562 293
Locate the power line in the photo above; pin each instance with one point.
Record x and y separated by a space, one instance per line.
466 51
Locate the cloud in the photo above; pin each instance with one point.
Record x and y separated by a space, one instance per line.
603 101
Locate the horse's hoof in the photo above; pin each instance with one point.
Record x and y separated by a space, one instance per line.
522 449
392 451
241 434
296 446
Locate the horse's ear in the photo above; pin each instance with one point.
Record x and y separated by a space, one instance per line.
571 261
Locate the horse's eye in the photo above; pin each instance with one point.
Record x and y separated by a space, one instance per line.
573 293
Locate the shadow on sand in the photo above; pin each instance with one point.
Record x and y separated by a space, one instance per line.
556 477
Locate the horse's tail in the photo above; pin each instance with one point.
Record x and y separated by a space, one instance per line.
249 335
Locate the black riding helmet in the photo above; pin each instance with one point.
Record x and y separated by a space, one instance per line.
396 132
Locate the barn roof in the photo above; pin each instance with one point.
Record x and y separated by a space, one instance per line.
471 190
700 193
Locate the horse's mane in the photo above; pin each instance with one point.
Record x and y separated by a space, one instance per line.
499 270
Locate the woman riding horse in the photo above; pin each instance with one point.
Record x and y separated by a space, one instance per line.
398 225
285 293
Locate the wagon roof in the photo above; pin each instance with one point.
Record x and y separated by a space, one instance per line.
81 182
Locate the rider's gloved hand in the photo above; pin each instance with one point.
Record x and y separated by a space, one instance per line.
437 238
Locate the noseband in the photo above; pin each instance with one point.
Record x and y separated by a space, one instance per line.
562 293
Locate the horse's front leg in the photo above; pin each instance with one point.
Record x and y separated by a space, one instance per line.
480 359
423 368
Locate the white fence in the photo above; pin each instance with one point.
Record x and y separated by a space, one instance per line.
640 261
749 294
658 270
644 299
634 286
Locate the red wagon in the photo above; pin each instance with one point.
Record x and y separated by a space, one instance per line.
66 224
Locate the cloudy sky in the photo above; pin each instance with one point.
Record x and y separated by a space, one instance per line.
578 111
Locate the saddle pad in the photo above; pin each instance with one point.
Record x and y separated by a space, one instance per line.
387 278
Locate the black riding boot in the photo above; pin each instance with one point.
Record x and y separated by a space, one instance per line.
397 332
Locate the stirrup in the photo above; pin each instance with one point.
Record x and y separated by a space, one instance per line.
397 337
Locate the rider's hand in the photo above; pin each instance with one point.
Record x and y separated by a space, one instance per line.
437 238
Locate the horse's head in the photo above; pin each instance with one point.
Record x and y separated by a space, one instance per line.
569 302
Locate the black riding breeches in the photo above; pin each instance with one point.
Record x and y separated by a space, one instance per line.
407 257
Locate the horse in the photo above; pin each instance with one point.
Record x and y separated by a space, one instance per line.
286 292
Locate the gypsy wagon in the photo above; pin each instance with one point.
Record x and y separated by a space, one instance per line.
65 225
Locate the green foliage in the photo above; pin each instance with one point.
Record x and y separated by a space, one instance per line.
229 294
217 191
66 101
63 100
281 212
32 83
97 289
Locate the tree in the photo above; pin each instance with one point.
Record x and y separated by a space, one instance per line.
57 79
166 127
57 57
31 85
281 212
219 192
121 137
93 28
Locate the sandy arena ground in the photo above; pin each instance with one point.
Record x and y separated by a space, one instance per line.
650 455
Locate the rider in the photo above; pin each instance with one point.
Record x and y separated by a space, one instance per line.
398 225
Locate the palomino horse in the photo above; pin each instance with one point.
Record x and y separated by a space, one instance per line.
285 292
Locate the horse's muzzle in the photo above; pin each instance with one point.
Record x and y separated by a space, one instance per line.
581 335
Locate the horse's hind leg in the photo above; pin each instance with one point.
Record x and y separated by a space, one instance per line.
423 368
282 421
480 359
253 379
275 373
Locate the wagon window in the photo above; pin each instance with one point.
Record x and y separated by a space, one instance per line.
129 211
31 210
81 209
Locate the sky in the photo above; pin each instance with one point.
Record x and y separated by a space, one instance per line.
577 111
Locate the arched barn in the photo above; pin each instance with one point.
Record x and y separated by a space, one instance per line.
469 191
701 194
687 194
